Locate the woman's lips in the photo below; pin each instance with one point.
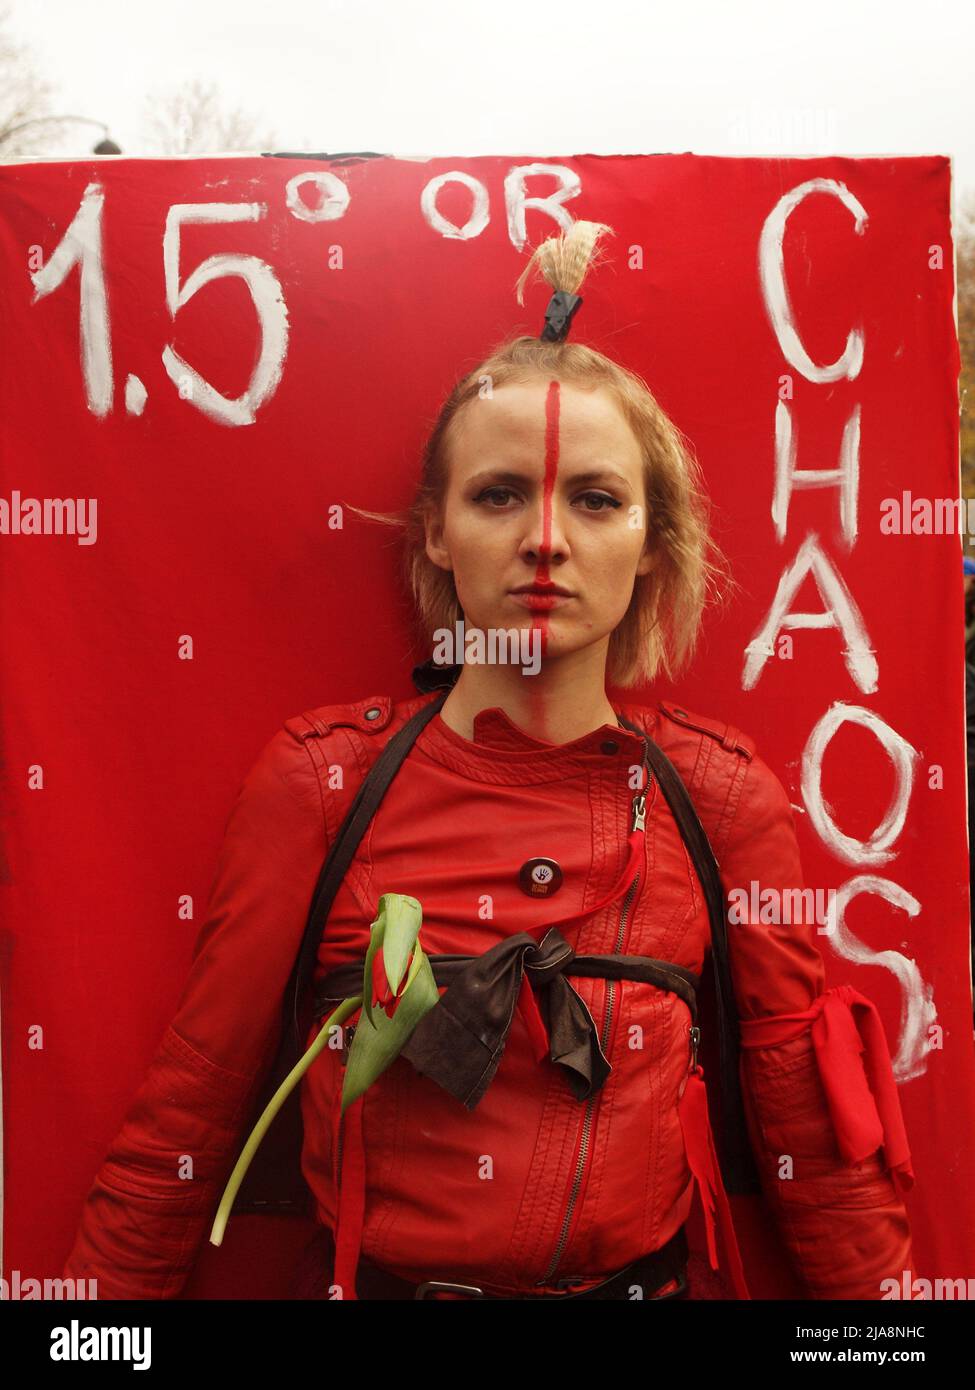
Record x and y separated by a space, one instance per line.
542 602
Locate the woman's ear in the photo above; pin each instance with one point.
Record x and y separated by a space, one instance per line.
651 538
435 547
648 558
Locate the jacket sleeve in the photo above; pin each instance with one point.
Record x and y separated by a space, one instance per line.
844 1223
156 1193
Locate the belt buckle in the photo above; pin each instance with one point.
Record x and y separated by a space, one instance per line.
681 1278
425 1289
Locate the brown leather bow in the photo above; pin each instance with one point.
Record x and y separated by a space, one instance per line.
460 1041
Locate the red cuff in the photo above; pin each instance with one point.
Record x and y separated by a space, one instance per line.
854 1067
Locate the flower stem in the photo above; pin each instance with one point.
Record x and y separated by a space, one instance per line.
338 1015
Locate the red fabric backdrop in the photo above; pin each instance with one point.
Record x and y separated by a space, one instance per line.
377 280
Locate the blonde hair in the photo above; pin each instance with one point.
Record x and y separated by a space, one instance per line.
661 626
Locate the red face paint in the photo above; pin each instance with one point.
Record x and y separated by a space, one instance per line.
551 468
540 620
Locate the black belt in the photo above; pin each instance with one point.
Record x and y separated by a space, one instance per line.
649 1273
459 1042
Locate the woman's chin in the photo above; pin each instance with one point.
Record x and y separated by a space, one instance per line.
525 639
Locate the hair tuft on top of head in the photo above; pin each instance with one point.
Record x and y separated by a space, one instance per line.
565 260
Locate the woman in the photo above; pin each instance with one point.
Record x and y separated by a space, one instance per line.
557 503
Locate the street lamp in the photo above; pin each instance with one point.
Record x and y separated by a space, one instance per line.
105 146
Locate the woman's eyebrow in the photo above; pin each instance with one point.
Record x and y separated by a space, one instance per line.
498 475
598 475
507 475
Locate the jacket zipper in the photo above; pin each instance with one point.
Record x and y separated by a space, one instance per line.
639 818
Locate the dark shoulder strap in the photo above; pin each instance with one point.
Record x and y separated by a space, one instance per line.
737 1160
371 791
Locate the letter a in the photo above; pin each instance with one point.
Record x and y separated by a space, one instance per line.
840 612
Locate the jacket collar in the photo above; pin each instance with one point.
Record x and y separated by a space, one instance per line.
502 752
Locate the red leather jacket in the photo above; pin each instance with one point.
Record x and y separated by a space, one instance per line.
532 1185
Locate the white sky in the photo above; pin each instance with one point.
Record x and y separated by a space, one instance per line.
516 77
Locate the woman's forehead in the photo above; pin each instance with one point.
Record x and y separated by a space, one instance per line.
521 415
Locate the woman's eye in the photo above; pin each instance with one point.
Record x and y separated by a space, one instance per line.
495 495
601 498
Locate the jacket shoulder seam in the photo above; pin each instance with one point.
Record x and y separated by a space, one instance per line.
729 736
369 716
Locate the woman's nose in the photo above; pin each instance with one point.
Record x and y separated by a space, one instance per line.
545 535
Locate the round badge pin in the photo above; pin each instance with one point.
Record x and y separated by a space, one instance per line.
540 878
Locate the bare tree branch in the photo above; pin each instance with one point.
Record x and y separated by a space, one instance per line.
192 120
24 95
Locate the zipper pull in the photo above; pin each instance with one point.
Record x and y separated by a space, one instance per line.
640 803
348 1033
640 806
695 1036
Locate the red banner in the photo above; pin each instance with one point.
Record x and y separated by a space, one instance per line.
206 360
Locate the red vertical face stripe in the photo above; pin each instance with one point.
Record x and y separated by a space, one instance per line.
541 620
542 576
